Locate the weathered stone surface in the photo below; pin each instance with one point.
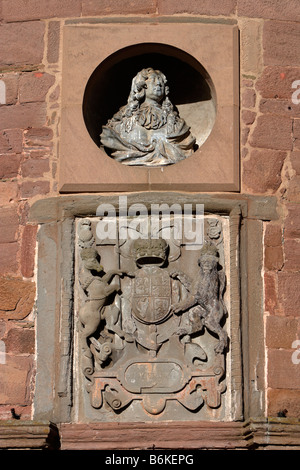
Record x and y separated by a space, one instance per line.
34 188
284 107
282 372
15 434
23 116
21 43
272 132
281 331
271 296
20 341
35 167
295 161
34 86
296 134
11 81
292 255
9 165
251 46
24 10
11 141
118 7
28 250
262 172
53 41
248 98
9 258
276 81
14 378
270 9
200 7
280 42
16 298
8 192
281 399
9 224
273 257
292 221
38 137
289 292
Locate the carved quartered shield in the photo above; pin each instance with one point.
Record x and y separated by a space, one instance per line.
151 295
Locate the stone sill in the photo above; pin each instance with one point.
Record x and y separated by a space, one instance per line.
253 434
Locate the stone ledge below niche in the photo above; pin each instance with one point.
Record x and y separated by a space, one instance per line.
255 433
27 435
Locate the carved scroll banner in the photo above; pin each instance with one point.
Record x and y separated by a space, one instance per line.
152 324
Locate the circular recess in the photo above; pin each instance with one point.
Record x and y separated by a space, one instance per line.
190 87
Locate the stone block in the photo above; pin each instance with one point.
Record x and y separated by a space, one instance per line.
270 9
11 141
272 132
271 297
289 292
14 379
284 107
16 298
262 172
24 10
282 372
28 250
21 43
8 192
9 165
273 235
295 161
34 167
20 341
34 86
276 81
292 221
273 258
9 224
11 81
118 7
53 41
251 46
281 331
199 7
296 134
34 188
280 43
248 98
38 137
23 116
282 399
292 255
248 117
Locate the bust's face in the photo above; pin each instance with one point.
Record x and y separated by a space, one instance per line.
155 88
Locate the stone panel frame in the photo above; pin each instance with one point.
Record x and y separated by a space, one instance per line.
87 43
53 399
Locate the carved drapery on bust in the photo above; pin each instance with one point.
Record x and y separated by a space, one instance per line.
148 130
151 330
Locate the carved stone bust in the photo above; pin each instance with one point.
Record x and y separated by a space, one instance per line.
148 131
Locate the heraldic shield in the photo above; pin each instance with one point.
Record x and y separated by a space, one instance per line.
152 295
148 334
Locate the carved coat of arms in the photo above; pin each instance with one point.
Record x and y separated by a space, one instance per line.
138 324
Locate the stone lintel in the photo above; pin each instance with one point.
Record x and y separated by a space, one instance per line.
61 207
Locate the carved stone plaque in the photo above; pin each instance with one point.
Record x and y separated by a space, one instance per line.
151 320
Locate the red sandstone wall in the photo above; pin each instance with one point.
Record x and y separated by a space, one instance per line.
30 67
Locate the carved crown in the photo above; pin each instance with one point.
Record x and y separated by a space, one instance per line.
150 251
